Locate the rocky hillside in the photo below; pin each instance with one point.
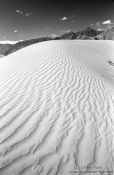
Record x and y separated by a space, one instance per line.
110 34
105 35
83 34
25 43
86 34
5 48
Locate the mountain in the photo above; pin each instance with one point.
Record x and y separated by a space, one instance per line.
4 48
110 34
83 34
88 33
69 35
25 43
105 35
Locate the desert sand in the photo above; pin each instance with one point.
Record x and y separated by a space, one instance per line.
57 109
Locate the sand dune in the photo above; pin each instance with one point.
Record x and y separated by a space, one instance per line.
57 109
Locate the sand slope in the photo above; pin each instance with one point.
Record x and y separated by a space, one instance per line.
57 109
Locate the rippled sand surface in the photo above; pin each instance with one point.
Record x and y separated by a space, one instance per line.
57 109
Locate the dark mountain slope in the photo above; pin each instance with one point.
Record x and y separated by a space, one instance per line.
86 34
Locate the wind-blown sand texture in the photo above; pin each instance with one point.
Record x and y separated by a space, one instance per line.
57 109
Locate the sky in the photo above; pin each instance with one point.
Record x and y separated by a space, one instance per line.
26 19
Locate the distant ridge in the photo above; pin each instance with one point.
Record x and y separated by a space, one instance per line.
4 48
25 43
83 34
110 34
88 33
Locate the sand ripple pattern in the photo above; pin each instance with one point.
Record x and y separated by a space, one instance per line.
56 114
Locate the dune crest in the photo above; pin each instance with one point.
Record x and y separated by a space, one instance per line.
57 109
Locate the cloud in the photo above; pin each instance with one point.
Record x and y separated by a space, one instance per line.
71 18
65 18
15 31
99 29
17 11
54 35
28 14
67 31
108 22
20 12
9 42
